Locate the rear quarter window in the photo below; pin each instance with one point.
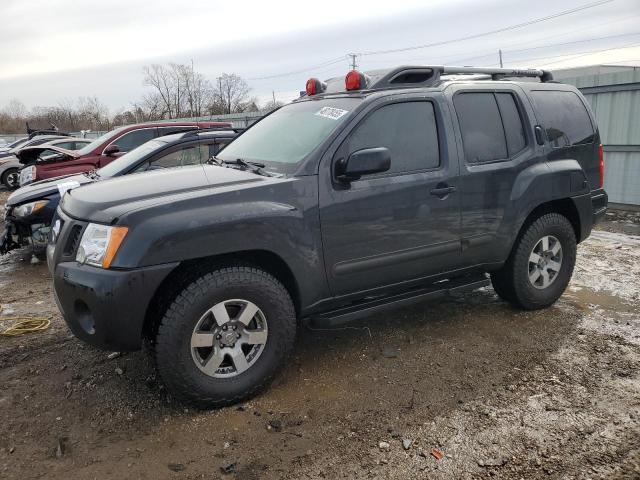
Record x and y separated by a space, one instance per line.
564 117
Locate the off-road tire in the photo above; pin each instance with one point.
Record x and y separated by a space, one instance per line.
5 178
512 281
175 364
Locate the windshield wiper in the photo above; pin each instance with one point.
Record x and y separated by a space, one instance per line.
254 167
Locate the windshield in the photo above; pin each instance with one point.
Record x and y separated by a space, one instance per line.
87 149
130 159
284 138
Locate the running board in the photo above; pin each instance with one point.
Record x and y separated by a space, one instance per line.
366 308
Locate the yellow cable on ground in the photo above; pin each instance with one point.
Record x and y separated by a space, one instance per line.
24 325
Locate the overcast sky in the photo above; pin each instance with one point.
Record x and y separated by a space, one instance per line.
51 51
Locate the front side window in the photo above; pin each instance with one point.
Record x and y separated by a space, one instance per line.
134 139
564 118
407 129
187 155
287 136
129 160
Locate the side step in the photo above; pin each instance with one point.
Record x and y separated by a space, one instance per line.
375 305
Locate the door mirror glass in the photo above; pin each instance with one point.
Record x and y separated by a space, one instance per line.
111 150
364 162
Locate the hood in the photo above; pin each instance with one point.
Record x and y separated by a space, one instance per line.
46 188
30 154
105 201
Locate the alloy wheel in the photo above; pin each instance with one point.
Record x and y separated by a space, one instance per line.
229 338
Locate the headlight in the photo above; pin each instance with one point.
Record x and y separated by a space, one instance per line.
27 174
29 208
100 244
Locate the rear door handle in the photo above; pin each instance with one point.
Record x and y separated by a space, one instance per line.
442 191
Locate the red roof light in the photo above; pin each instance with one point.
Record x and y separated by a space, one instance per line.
315 86
355 80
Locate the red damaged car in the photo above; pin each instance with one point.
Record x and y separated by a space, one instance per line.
101 151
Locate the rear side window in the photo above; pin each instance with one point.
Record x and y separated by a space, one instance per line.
491 126
564 117
407 129
512 122
482 133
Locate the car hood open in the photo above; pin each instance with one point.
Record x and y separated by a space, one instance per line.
30 154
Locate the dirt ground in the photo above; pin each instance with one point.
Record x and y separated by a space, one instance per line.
495 391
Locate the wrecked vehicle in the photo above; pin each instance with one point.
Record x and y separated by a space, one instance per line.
108 147
10 163
29 210
371 192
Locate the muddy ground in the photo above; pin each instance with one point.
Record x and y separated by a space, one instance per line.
495 391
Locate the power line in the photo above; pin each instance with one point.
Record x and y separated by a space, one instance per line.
295 72
492 53
492 32
576 54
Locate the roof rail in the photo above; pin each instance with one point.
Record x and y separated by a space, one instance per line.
498 73
429 75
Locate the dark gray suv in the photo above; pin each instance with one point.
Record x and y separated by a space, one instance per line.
372 191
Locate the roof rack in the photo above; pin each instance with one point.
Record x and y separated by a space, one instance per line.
428 75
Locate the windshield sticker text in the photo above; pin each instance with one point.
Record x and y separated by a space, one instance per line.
65 187
332 113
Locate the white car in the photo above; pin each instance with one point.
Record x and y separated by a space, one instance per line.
10 166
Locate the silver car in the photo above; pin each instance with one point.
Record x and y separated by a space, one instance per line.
10 166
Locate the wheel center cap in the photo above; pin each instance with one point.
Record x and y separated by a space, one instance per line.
228 338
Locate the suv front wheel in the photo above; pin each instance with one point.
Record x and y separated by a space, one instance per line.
541 264
225 336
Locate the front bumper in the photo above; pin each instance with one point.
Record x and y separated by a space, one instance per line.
106 308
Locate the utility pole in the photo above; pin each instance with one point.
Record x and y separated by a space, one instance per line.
354 58
500 56
222 102
273 94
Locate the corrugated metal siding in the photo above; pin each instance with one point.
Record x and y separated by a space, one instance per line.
622 177
618 117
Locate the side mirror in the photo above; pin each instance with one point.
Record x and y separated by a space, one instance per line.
363 162
111 150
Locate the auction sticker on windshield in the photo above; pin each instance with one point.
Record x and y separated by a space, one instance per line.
331 112
65 187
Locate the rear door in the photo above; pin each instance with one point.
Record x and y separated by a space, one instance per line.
400 225
495 138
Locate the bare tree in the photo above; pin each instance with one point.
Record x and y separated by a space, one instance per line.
232 92
177 90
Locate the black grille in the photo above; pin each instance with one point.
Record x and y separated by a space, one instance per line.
72 240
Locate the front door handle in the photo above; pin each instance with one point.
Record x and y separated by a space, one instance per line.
442 192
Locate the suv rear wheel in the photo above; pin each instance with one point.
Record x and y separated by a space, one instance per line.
225 336
540 267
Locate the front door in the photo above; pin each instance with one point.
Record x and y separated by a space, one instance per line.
400 225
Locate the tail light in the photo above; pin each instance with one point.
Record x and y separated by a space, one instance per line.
601 164
355 80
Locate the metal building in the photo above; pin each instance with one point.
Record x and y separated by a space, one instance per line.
614 95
